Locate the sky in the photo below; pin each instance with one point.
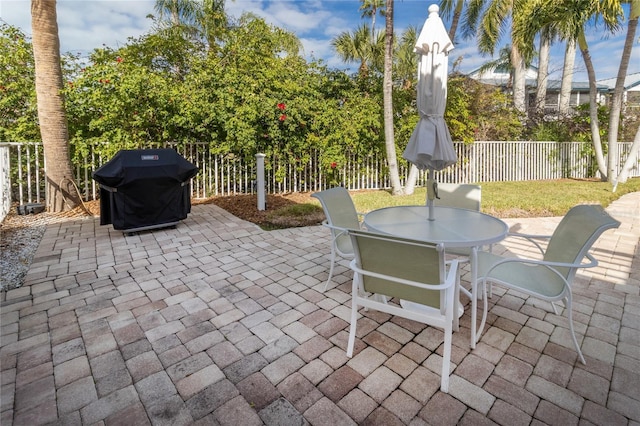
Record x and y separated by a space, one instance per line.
88 24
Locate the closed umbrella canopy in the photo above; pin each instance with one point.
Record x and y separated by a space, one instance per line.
430 146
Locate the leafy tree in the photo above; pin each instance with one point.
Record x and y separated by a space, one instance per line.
126 98
18 106
480 112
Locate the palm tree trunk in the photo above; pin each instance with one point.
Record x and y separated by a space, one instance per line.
567 77
593 105
543 73
455 19
389 138
519 80
61 193
616 101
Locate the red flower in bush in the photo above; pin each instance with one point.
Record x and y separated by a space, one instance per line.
334 165
283 117
282 106
118 59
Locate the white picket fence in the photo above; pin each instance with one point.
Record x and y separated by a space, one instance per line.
22 169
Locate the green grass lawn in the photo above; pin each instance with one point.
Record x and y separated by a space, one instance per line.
515 199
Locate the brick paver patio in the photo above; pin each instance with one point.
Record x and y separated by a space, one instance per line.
217 322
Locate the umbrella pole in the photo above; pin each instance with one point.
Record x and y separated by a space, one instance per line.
431 194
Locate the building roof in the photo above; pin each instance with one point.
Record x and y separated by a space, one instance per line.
630 81
576 86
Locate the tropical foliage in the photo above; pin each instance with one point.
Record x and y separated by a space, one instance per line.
243 87
255 93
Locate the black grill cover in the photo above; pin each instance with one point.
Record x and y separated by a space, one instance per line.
144 188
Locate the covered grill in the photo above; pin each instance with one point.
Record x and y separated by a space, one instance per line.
145 189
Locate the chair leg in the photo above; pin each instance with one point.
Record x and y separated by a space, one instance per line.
473 260
485 308
333 261
456 304
354 316
573 333
446 358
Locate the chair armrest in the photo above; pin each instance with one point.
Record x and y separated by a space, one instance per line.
550 265
336 231
333 227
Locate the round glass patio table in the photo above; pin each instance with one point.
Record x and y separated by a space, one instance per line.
453 227
450 226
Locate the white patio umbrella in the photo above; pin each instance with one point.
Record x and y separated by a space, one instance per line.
430 146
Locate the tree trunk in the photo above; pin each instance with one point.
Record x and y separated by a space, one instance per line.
410 185
519 80
630 162
543 73
389 138
61 193
456 18
593 105
567 78
616 101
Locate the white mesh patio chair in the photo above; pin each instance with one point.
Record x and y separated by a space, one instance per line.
415 280
550 278
340 216
460 195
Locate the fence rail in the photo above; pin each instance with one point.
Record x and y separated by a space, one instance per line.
22 169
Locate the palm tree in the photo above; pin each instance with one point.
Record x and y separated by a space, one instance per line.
389 138
543 70
61 193
569 18
370 9
212 20
454 9
616 101
406 60
487 18
206 18
178 11
502 62
567 77
357 47
533 21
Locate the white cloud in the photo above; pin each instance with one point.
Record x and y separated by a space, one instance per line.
289 15
86 25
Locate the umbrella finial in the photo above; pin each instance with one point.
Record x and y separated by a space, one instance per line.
433 9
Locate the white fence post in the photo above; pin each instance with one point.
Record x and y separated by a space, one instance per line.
260 181
5 181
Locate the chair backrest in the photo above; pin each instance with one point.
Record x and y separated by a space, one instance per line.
338 208
383 259
464 196
576 233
